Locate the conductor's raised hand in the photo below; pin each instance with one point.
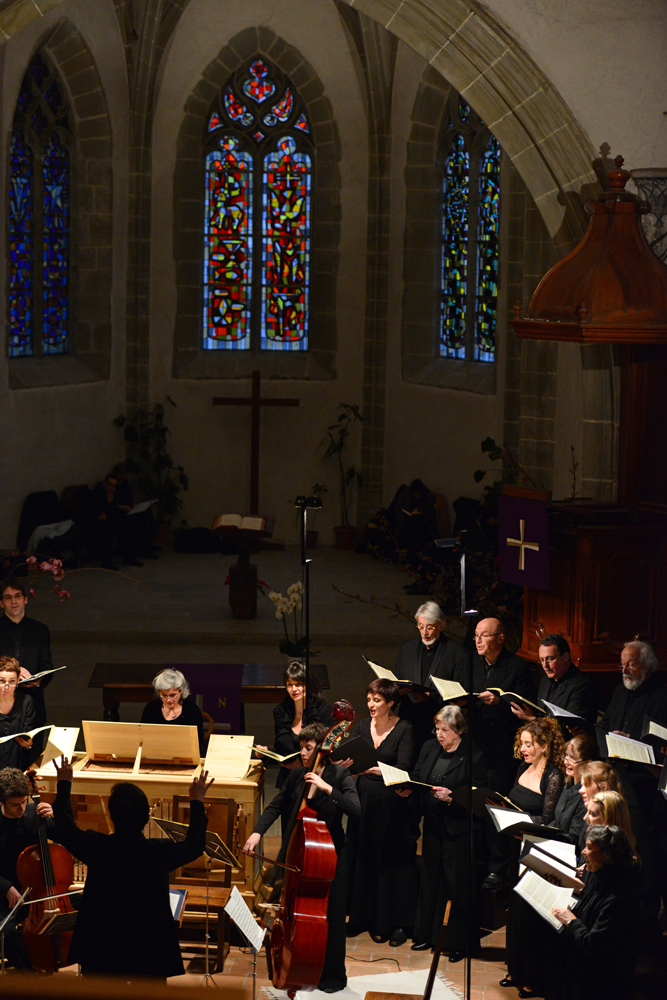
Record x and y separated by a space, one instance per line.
200 786
64 769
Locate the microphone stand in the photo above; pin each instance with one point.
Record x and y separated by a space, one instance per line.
303 505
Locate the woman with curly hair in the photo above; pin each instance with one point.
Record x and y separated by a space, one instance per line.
538 786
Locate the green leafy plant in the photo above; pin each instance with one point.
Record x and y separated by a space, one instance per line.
334 445
159 477
510 470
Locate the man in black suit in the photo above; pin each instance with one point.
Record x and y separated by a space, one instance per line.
563 685
493 724
431 653
27 640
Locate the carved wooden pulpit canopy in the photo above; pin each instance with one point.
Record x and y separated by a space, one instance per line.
612 288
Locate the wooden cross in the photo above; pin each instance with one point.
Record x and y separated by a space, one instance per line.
521 545
256 402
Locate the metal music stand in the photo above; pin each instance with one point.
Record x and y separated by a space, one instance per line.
4 923
215 849
303 505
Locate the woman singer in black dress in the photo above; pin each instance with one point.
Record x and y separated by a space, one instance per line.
288 721
445 868
537 788
382 847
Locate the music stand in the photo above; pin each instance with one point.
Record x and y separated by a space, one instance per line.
239 911
215 849
2 929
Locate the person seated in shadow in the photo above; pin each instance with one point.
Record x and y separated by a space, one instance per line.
142 524
107 522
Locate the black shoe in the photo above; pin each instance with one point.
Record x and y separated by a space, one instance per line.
420 946
524 994
332 987
351 930
494 881
132 562
456 956
506 982
398 937
379 938
110 565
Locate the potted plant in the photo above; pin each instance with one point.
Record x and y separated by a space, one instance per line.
334 445
311 535
159 478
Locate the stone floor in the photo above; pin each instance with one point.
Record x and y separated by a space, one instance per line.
176 610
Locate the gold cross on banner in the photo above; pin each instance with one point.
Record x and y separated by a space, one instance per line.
522 546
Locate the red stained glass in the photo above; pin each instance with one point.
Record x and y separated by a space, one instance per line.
236 111
228 247
214 122
286 248
302 123
258 86
281 111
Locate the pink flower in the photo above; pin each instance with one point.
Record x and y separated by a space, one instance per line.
58 574
32 562
44 566
32 593
64 594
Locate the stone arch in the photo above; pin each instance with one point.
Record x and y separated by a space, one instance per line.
510 93
91 250
17 14
190 361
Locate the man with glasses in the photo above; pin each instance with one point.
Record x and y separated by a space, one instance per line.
494 725
430 653
563 685
29 642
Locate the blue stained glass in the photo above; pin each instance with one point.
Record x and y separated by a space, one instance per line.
486 293
455 251
302 123
38 120
258 86
227 247
38 70
464 110
285 248
56 225
21 234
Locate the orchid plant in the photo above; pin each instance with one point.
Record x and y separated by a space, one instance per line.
289 606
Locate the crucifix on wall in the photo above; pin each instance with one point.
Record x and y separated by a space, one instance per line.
256 402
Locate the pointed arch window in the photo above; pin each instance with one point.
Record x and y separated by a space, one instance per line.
257 204
39 217
470 229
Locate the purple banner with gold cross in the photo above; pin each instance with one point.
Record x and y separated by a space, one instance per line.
523 540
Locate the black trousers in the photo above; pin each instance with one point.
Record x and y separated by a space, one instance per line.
445 874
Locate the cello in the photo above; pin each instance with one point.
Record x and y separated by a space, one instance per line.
300 929
49 870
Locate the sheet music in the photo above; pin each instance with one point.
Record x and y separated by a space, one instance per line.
627 749
240 913
31 733
556 848
503 818
542 895
382 672
557 711
449 689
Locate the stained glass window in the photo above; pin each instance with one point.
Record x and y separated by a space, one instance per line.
286 248
257 214
455 250
21 234
55 273
486 293
228 246
470 229
39 217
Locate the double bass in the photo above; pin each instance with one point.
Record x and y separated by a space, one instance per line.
299 931
49 870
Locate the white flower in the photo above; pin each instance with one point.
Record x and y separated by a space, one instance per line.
275 596
295 588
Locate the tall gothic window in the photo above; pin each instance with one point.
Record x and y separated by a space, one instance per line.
258 173
470 217
39 217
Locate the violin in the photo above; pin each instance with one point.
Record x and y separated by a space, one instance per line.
49 870
300 929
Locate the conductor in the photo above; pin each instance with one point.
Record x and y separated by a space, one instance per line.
125 926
